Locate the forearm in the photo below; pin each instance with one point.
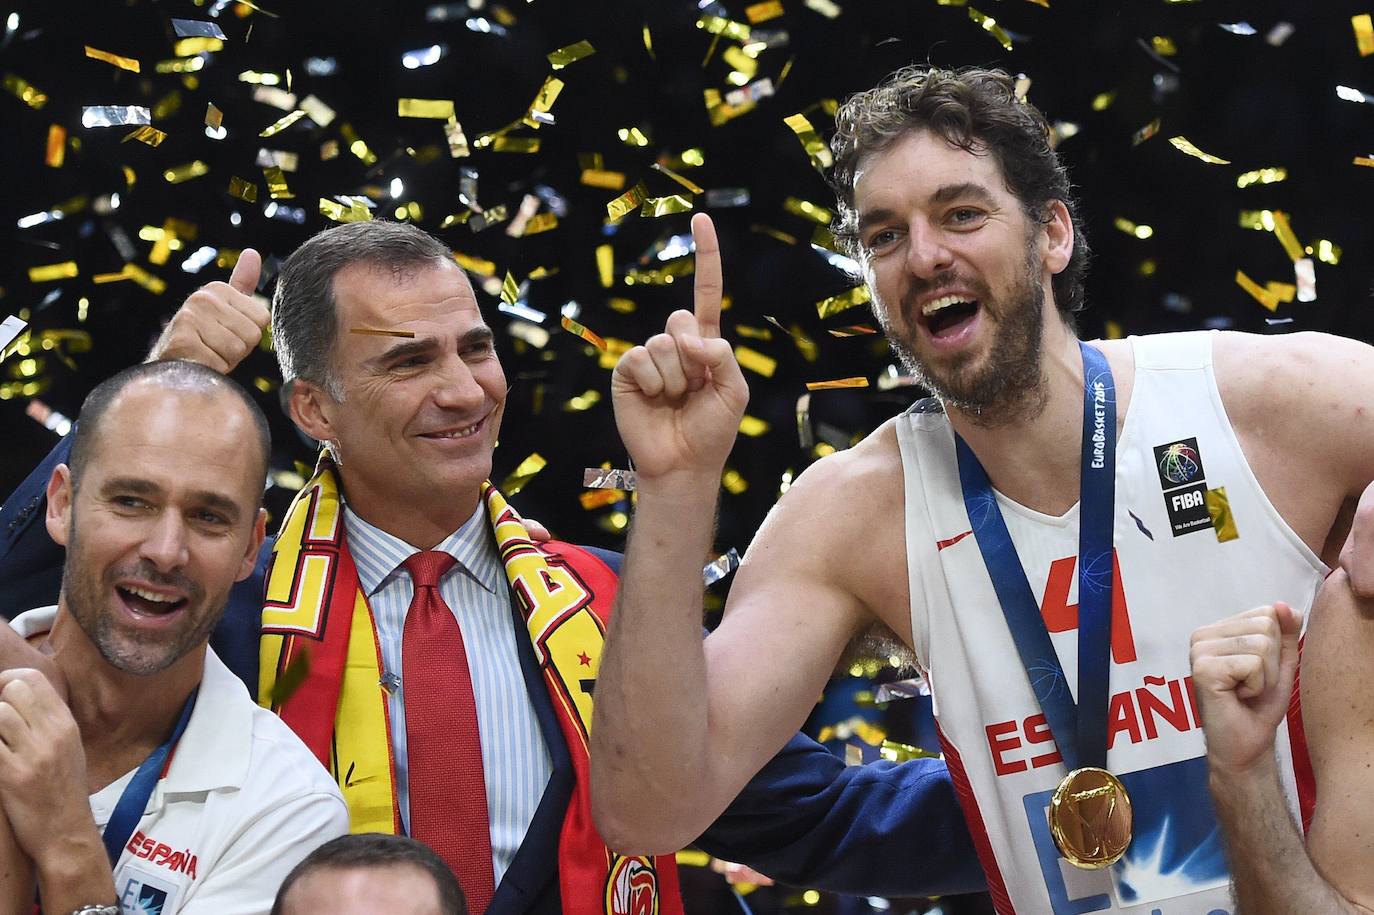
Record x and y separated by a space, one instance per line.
16 874
74 872
650 741
1272 871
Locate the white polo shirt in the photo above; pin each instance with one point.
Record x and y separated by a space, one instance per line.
242 803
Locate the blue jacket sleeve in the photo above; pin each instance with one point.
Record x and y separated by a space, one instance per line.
880 829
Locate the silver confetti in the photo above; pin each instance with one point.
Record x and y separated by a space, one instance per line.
197 28
720 567
114 115
596 478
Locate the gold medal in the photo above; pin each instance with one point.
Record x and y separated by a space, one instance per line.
1090 818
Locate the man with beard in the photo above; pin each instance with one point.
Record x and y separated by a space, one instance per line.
157 785
1055 638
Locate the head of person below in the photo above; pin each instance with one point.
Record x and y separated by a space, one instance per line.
371 872
160 513
959 212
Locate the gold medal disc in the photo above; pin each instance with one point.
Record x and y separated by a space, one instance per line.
1090 818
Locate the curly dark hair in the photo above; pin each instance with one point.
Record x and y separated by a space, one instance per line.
976 110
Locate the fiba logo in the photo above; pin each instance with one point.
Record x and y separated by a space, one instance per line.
1179 463
632 888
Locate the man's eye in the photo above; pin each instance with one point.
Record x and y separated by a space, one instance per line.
131 502
881 239
477 349
965 216
411 363
210 517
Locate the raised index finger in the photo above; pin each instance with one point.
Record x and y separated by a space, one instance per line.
707 291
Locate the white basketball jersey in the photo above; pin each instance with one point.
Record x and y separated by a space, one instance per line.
1175 571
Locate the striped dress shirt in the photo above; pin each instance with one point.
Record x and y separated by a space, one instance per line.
514 755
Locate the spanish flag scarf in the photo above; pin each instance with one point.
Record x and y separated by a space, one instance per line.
321 671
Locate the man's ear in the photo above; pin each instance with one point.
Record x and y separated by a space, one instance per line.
250 556
308 409
60 495
1057 243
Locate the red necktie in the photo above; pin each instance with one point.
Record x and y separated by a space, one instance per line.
448 793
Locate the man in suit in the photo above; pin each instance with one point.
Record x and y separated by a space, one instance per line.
391 365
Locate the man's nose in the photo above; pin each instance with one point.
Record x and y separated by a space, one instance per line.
167 543
927 253
458 387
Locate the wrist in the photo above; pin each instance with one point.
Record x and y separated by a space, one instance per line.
1237 779
688 487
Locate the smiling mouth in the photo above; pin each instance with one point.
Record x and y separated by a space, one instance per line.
948 314
458 433
149 603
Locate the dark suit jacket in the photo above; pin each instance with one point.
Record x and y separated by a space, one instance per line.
806 818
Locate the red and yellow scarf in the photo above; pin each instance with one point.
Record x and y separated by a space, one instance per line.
321 671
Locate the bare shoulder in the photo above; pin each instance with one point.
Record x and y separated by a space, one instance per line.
841 519
1322 374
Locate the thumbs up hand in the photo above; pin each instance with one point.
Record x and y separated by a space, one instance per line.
220 323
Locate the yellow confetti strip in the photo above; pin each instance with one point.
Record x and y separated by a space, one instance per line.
457 140
142 277
1261 295
580 330
632 136
1261 176
123 63
1184 145
541 222
688 184
246 191
719 25
276 183
1130 228
1328 252
197 45
25 92
57 146
523 474
755 361
600 498
150 136
837 303
477 265
510 289
543 101
1103 100
1219 508
719 111
811 141
336 211
1366 161
1284 292
214 118
762 12
771 232
752 426
1364 33
857 382
584 401
626 203
571 54
50 272
991 27
734 482
378 332
605 265
282 123
179 173
1284 232
436 108
665 206
649 42
1164 46
180 65
595 177
853 330
356 145
808 210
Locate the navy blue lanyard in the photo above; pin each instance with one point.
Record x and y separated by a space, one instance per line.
134 800
1079 732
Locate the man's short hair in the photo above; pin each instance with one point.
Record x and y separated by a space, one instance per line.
304 321
974 109
173 375
375 849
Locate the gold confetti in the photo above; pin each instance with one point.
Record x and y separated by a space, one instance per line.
523 474
1328 252
720 26
540 222
580 330
356 145
57 146
1366 161
771 232
859 295
187 47
276 183
491 217
649 43
571 54
632 136
1103 100
436 108
605 265
148 281
811 141
755 361
510 289
857 382
744 64
600 498
1284 292
752 426
1364 33
25 92
595 177
336 211
319 112
457 140
214 118
665 206
1144 133
1183 145
246 191
538 112
477 265
762 12
282 123
808 210
719 111
584 401
1284 232
1261 176
1261 295
180 65
991 27
123 63
1219 507
378 332
49 272
626 203
688 184
1164 46
178 174
734 482
146 134
516 144
1130 228
891 750
853 330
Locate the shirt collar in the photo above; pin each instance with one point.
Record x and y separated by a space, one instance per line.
377 554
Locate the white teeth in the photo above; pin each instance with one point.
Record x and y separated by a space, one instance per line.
457 433
943 302
149 595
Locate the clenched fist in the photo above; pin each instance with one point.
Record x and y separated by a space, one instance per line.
220 323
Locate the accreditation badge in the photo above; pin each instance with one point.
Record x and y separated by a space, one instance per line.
1090 818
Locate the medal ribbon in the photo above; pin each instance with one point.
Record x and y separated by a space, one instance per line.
1080 732
134 800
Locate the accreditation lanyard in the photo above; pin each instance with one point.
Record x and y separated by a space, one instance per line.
1079 733
129 810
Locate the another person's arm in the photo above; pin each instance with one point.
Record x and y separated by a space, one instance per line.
16 873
